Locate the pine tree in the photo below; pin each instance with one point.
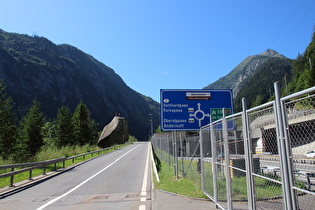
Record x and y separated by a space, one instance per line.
64 127
84 127
49 133
31 131
304 69
8 130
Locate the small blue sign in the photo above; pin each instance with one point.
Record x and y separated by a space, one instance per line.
189 110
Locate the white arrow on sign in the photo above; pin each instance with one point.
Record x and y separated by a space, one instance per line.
202 114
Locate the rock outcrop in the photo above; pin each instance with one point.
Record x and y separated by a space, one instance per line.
116 132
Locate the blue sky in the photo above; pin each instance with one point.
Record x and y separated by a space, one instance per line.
167 44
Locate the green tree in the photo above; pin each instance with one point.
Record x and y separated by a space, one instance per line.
8 130
31 136
258 101
304 69
49 133
158 129
85 129
64 127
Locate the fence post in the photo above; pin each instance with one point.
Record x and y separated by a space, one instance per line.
174 154
161 158
285 166
201 161
227 160
248 158
214 162
182 154
168 150
289 160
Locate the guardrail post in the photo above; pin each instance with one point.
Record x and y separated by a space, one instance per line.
12 179
30 178
44 170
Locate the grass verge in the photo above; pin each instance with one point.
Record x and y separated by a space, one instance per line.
181 186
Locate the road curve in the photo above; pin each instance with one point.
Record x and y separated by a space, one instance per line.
118 180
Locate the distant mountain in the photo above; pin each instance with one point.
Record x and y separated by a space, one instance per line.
33 66
243 71
241 77
259 88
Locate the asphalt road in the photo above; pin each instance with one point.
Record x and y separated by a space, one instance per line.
118 180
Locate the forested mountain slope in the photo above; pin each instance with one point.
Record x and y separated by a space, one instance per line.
303 73
260 87
57 75
244 71
254 77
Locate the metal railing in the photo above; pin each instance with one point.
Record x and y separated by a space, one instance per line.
24 167
255 159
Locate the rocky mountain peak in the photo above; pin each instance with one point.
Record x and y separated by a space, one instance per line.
272 53
244 71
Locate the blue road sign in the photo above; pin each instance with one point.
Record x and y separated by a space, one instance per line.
191 109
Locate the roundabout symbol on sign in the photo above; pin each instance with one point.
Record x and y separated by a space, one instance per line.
199 114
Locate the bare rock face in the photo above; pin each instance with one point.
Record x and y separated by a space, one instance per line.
116 132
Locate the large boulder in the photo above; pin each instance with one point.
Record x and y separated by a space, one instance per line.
116 132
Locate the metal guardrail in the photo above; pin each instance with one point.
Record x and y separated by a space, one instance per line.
43 164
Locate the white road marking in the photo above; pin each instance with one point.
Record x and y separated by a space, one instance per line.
85 181
154 166
145 180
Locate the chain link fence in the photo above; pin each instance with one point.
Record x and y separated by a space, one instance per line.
260 158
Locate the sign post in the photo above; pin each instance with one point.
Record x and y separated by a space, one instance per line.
188 110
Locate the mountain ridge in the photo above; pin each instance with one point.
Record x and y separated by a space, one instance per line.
243 71
57 75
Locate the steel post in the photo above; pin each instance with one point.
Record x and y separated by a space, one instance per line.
284 167
227 160
248 158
